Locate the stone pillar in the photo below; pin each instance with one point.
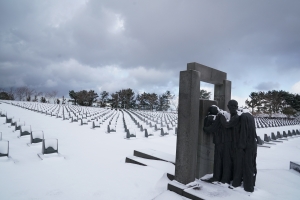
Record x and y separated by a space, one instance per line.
222 94
206 148
187 132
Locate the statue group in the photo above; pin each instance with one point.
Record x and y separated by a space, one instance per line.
234 136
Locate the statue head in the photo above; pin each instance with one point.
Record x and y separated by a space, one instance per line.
213 110
232 106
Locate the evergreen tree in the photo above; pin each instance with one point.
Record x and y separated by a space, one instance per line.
4 96
43 100
274 101
103 98
73 96
114 100
255 100
164 101
204 94
151 100
289 111
86 98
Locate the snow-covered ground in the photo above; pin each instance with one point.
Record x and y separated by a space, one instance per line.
94 166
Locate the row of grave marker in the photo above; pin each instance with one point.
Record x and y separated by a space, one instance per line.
277 138
164 126
49 146
265 122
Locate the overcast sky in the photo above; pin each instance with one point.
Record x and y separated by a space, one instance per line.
143 44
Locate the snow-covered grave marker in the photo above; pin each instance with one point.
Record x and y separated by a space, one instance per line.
175 130
111 128
4 151
2 120
4 148
2 113
66 116
151 124
8 119
18 126
280 137
169 127
36 137
130 133
25 130
284 134
274 138
260 143
84 121
141 127
267 140
289 133
73 119
157 127
49 149
148 133
95 124
89 118
14 121
164 131
294 132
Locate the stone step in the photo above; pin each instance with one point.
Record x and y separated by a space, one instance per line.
154 155
182 190
295 166
166 167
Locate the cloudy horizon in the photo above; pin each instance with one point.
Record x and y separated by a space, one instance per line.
143 45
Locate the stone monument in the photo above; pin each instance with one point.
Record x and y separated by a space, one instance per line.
195 150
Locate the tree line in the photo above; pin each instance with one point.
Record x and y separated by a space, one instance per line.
25 93
274 101
127 99
269 102
124 98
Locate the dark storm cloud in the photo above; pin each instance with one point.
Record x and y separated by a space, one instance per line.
69 45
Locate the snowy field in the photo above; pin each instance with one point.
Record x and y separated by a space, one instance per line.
94 166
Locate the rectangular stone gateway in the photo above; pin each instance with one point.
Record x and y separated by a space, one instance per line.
222 86
195 150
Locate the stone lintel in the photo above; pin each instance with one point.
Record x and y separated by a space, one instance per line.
208 74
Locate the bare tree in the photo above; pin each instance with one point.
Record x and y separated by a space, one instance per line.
28 93
21 93
12 93
36 95
174 102
51 95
